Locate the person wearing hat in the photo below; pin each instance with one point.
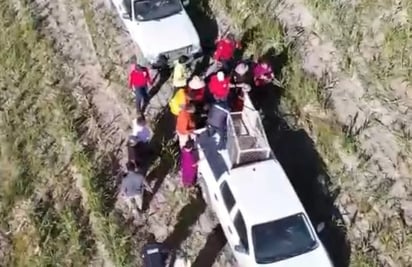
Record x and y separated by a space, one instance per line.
241 81
180 73
196 92
219 86
197 89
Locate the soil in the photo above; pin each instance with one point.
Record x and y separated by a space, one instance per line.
94 50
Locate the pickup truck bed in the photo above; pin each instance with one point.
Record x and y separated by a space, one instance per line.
246 142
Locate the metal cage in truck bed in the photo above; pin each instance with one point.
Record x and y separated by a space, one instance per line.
246 138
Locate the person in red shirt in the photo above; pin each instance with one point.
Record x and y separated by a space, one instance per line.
225 50
139 81
219 86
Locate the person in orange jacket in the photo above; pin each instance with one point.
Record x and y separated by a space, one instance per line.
185 124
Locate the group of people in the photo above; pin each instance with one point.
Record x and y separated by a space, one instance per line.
198 101
209 98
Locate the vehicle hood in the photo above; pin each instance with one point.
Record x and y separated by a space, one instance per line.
315 258
167 34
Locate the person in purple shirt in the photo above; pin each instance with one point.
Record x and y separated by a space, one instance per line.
262 73
188 164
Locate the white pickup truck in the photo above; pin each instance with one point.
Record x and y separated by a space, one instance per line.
260 213
160 28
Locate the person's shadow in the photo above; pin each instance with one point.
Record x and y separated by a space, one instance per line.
214 244
206 25
296 152
188 215
163 134
161 77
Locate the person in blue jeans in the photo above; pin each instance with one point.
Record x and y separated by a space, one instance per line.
139 81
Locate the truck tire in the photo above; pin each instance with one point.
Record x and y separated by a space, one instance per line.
203 188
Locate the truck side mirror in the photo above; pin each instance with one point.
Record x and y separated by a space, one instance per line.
126 16
240 248
185 2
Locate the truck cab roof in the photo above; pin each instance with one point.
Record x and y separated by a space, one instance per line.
263 192
261 189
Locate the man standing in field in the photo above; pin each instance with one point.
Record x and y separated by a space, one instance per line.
139 82
132 187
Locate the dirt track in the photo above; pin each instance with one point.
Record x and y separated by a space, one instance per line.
94 50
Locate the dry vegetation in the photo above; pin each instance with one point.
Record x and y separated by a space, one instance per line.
49 218
347 81
65 115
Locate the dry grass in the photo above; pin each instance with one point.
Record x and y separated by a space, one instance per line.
42 206
372 34
307 100
303 97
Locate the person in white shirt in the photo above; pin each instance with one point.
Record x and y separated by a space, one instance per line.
141 131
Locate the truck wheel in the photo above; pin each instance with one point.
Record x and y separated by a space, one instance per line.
203 188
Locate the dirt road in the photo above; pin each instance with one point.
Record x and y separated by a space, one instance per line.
94 48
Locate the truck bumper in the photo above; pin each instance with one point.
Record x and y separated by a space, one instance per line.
165 63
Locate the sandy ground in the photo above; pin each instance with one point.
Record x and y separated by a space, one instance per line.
89 54
94 49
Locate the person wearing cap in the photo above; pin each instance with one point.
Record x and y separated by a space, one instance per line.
219 86
196 93
139 81
180 73
185 124
225 50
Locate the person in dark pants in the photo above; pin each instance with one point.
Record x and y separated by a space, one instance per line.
225 50
216 122
155 254
242 81
139 81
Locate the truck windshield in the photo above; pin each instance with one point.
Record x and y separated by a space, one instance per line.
155 9
282 239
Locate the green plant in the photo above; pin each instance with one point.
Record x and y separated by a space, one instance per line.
41 156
